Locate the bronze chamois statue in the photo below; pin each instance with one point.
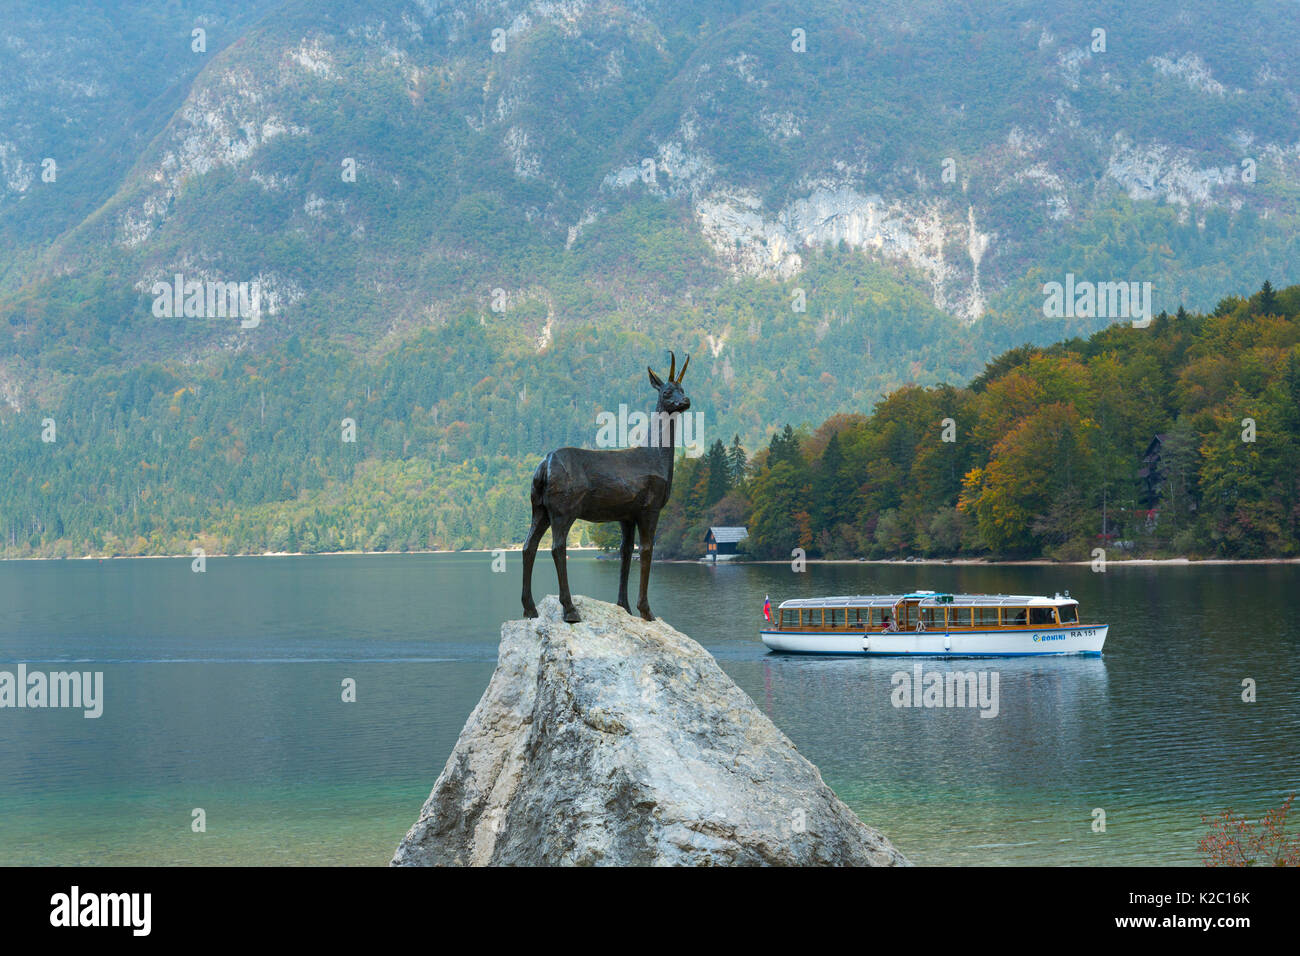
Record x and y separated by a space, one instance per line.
629 486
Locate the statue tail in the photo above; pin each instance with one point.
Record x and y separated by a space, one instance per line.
539 483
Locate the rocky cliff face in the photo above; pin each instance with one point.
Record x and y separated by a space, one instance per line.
617 742
883 131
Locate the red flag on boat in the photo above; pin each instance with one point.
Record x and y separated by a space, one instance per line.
767 607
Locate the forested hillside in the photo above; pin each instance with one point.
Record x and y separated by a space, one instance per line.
472 225
1048 453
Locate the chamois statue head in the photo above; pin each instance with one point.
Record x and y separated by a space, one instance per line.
671 396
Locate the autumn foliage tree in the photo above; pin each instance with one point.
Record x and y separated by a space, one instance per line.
1041 454
1236 840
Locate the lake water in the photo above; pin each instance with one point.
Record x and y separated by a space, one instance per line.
223 692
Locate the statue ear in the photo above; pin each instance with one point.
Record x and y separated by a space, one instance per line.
655 380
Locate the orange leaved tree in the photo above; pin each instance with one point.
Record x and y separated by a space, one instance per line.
1235 840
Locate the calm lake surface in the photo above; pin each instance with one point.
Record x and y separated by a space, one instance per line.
223 692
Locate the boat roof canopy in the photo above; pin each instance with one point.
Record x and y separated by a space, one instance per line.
932 599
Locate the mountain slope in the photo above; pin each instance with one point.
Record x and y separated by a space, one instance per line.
529 224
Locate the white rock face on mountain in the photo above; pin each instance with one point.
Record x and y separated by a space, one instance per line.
919 234
1161 172
221 124
1191 68
16 175
621 742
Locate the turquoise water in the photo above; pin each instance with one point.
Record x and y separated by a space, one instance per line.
223 691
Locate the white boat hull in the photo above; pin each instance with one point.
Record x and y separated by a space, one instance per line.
1076 639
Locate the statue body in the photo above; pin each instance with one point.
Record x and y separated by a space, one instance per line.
629 486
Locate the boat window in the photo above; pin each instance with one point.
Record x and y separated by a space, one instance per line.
812 617
986 617
836 617
1015 616
1069 613
959 617
790 617
1042 617
933 617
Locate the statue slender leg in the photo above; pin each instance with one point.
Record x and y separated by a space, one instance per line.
559 541
646 525
625 562
541 521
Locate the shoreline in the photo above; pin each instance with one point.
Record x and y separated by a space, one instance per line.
952 562
1030 562
269 554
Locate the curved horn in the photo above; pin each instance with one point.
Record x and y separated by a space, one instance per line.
682 374
672 370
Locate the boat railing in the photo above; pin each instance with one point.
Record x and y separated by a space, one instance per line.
977 617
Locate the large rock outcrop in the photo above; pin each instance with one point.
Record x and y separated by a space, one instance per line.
621 742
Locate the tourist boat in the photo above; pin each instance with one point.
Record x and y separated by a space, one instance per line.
928 622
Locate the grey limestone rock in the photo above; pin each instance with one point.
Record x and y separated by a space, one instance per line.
621 742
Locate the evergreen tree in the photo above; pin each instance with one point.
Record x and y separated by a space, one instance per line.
832 497
1267 300
737 462
719 473
784 447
